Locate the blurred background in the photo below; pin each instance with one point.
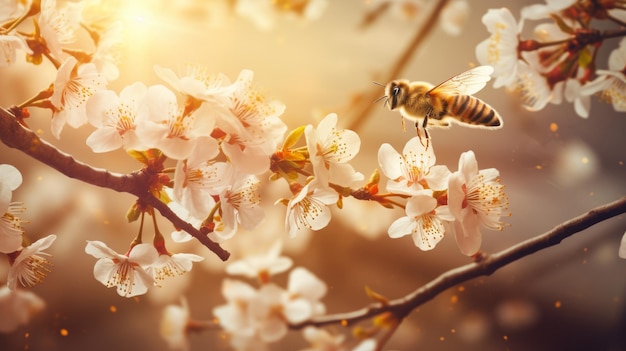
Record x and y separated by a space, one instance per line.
554 164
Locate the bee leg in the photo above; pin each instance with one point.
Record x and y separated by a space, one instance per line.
426 136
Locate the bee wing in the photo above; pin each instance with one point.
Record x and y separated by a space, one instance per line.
466 83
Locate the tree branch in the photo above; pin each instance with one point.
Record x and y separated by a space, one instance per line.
485 266
16 136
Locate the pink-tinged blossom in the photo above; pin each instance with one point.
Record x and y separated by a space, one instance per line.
198 83
533 87
543 11
330 150
500 49
174 325
308 208
475 198
454 16
173 129
424 221
611 83
74 85
9 46
322 340
125 272
116 118
30 266
414 170
17 307
198 181
264 14
105 57
235 315
261 266
58 26
252 129
10 222
172 265
240 204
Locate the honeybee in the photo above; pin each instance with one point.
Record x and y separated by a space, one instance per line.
451 100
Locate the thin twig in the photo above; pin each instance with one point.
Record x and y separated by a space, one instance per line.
16 136
484 267
422 33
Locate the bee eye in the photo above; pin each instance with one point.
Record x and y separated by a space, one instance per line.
396 90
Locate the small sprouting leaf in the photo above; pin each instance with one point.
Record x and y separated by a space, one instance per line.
293 137
133 213
585 57
562 25
376 296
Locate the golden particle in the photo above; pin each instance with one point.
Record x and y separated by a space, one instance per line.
554 127
504 337
461 288
441 338
454 299
557 304
344 322
64 332
112 309
538 167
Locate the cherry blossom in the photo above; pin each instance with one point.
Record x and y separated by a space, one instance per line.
253 129
17 307
240 204
500 49
116 118
412 171
261 266
172 129
126 272
475 198
308 208
10 223
307 287
322 340
197 180
330 149
9 45
533 88
198 83
173 327
454 16
235 316
31 265
611 83
171 265
264 14
58 26
73 87
105 57
424 221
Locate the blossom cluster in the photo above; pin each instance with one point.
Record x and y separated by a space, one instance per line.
29 264
254 317
559 63
440 200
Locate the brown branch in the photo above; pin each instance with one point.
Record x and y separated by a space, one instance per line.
485 266
398 67
16 136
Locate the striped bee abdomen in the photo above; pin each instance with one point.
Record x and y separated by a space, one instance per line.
471 110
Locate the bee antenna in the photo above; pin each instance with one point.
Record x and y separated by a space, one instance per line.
380 85
380 98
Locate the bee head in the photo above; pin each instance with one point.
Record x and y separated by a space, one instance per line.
396 92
